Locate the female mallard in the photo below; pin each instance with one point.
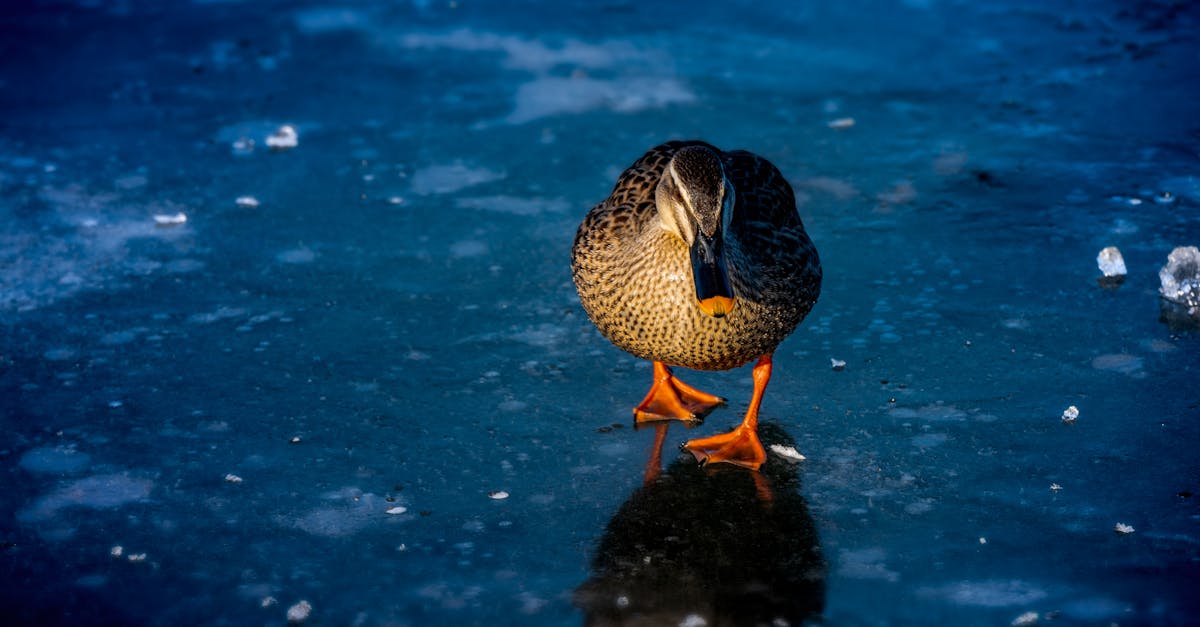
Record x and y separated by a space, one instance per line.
698 259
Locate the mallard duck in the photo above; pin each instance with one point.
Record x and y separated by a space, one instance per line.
698 259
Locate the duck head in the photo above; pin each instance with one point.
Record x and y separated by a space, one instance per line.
695 203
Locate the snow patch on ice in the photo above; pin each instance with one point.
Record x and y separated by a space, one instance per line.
934 413
865 564
54 460
1123 363
297 256
514 205
655 86
348 512
552 95
97 492
322 20
544 335
448 178
535 55
468 248
990 593
83 241
221 313
929 440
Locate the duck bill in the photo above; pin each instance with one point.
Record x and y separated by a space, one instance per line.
713 293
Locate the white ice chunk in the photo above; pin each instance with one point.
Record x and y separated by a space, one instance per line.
284 138
299 612
498 495
1026 619
1180 278
399 509
1070 414
1111 262
841 123
1123 528
789 453
170 219
232 478
837 364
247 202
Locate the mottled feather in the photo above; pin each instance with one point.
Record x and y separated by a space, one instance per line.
635 281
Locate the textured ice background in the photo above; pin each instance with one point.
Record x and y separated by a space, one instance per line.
393 325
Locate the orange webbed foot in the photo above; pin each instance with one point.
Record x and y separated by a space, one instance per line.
740 447
669 398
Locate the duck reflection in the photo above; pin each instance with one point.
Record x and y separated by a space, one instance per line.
720 544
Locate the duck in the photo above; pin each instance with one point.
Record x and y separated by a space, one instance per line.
698 259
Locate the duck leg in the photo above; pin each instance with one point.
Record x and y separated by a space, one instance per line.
654 464
740 446
671 398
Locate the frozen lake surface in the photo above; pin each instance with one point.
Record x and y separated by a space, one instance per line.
349 382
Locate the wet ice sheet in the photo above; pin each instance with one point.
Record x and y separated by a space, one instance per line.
387 339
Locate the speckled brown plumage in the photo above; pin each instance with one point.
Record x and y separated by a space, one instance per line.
635 280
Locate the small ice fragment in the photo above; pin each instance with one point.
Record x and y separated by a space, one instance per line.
1070 414
693 620
498 495
1026 619
232 478
982 540
399 509
1180 278
285 138
295 439
268 601
841 123
243 146
1055 487
1111 262
789 453
1135 201
622 602
116 551
247 202
1123 528
299 612
115 404
837 364
137 557
1164 198
164 219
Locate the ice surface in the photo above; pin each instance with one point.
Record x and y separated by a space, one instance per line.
376 330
